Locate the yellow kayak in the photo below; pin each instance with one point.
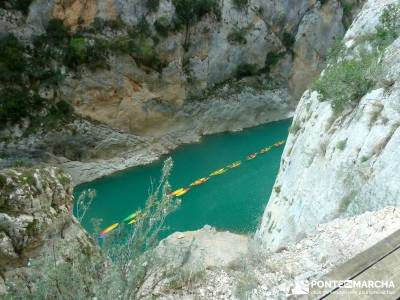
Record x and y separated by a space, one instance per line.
108 230
132 216
234 165
265 150
199 181
182 192
134 220
218 172
177 191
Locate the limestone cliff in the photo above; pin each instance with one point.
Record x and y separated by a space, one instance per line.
36 221
341 161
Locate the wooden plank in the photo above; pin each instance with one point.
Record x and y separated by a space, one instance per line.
359 263
387 269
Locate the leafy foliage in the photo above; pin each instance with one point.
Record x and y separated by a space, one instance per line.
191 11
288 40
238 36
21 5
162 26
272 59
152 5
347 81
16 104
347 7
57 33
240 4
13 61
188 12
245 70
389 28
100 24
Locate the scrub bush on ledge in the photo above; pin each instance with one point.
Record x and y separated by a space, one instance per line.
127 261
346 81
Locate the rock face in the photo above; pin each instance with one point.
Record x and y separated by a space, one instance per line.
36 216
223 265
195 92
207 247
135 99
339 165
319 26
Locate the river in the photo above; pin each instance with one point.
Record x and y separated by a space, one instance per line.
233 201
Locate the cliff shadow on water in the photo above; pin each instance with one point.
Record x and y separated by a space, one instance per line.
233 201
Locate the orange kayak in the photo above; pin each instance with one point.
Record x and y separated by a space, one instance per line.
108 230
199 181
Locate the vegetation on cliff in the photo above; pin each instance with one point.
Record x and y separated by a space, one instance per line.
345 81
21 5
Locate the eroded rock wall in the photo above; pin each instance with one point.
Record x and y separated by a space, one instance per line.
342 164
35 219
127 96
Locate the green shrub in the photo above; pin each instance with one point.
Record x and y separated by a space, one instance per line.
96 55
389 28
13 61
116 24
21 5
191 11
16 104
245 70
238 36
76 52
288 39
145 54
272 59
344 83
260 11
162 26
63 109
153 5
119 46
57 32
204 7
240 4
143 27
347 7
188 12
364 158
341 145
347 81
335 51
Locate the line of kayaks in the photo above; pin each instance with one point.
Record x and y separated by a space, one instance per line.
134 217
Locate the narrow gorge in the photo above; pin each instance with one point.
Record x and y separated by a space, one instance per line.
95 95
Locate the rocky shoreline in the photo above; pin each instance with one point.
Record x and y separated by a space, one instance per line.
190 125
89 150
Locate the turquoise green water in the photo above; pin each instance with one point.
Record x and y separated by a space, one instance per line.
233 201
